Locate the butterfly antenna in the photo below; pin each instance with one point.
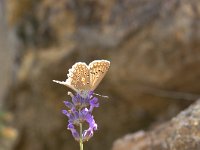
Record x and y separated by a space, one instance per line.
101 95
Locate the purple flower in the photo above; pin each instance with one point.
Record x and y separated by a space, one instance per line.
93 103
74 132
87 134
80 101
80 112
69 105
65 112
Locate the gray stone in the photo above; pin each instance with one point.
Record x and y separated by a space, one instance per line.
181 132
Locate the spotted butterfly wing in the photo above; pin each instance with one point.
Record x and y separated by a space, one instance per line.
98 69
78 77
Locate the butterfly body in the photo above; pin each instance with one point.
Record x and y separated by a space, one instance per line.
83 78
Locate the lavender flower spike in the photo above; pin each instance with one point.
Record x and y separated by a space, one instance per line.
80 112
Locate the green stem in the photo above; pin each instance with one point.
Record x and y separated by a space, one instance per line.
81 137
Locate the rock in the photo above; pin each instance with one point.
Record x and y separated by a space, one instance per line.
8 134
7 54
181 132
154 52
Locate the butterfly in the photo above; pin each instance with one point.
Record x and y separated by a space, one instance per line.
83 78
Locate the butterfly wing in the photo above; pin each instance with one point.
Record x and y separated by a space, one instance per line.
65 83
78 77
98 69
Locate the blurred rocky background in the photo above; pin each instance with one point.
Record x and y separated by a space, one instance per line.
153 46
181 133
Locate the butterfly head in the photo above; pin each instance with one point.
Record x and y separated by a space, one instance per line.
85 93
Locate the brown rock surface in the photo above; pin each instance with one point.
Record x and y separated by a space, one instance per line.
7 133
181 133
153 47
6 54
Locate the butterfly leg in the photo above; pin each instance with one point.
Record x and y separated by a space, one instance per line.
70 94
